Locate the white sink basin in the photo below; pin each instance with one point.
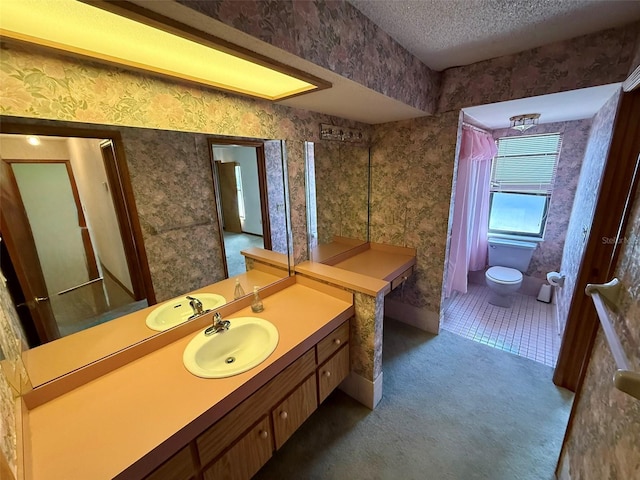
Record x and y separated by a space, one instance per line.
247 343
175 312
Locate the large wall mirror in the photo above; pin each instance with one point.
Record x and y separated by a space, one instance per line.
337 197
100 223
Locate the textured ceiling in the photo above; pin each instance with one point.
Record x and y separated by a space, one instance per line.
447 33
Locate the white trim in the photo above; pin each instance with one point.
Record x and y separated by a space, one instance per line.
363 390
421 318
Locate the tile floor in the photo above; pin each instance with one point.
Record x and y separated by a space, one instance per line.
527 329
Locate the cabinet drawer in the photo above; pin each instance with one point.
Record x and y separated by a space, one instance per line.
178 467
332 342
294 410
396 282
334 371
228 428
246 457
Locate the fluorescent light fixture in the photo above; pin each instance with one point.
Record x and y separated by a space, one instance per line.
85 30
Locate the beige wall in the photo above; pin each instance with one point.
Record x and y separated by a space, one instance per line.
93 188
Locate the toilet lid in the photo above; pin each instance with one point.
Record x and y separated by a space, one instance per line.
504 275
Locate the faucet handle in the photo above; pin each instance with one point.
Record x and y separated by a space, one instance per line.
217 318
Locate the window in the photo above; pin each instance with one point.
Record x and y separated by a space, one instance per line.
522 176
241 211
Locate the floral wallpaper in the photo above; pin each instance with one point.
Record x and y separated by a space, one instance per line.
547 256
276 195
412 164
336 36
12 342
342 190
585 202
635 62
366 336
604 438
596 59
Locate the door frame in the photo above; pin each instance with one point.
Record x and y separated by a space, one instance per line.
262 186
618 188
119 180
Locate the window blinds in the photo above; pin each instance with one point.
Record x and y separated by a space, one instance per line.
526 164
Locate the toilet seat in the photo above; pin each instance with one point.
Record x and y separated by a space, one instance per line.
504 275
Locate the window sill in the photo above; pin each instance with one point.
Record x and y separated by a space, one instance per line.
522 238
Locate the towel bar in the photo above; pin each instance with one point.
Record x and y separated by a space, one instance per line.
624 379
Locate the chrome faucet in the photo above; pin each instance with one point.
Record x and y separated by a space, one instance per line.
196 306
218 325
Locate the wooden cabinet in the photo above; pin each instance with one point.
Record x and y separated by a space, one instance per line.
332 342
246 457
178 467
400 279
294 410
238 444
332 373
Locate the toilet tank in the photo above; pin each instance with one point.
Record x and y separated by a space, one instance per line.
505 252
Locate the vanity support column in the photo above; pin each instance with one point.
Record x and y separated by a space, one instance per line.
364 383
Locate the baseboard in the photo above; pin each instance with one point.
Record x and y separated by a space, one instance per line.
417 317
363 390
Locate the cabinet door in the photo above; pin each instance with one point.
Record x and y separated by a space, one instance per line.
246 457
294 410
332 372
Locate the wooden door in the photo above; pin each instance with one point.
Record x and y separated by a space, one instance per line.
229 196
23 253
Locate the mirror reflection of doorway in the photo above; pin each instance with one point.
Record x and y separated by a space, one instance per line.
67 261
241 196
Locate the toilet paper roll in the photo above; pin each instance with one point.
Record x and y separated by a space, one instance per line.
555 279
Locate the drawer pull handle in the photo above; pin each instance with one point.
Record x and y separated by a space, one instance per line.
337 341
327 373
284 415
264 434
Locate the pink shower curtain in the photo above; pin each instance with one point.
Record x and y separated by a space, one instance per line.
471 209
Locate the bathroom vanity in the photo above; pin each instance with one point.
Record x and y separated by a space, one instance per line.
151 418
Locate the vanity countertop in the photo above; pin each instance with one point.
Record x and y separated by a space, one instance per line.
66 354
368 269
381 263
100 429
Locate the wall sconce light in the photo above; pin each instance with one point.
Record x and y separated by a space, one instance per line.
127 34
525 121
341 134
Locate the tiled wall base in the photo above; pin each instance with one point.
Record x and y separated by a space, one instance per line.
527 329
417 317
365 391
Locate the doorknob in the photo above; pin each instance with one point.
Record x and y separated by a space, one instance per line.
41 299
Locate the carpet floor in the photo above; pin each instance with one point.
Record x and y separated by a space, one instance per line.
452 409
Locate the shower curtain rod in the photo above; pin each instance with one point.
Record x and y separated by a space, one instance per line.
473 127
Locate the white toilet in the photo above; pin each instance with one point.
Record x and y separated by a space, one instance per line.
507 260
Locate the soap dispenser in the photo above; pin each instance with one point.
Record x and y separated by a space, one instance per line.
239 291
256 305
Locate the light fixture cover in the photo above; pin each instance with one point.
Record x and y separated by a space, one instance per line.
33 140
88 31
525 121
